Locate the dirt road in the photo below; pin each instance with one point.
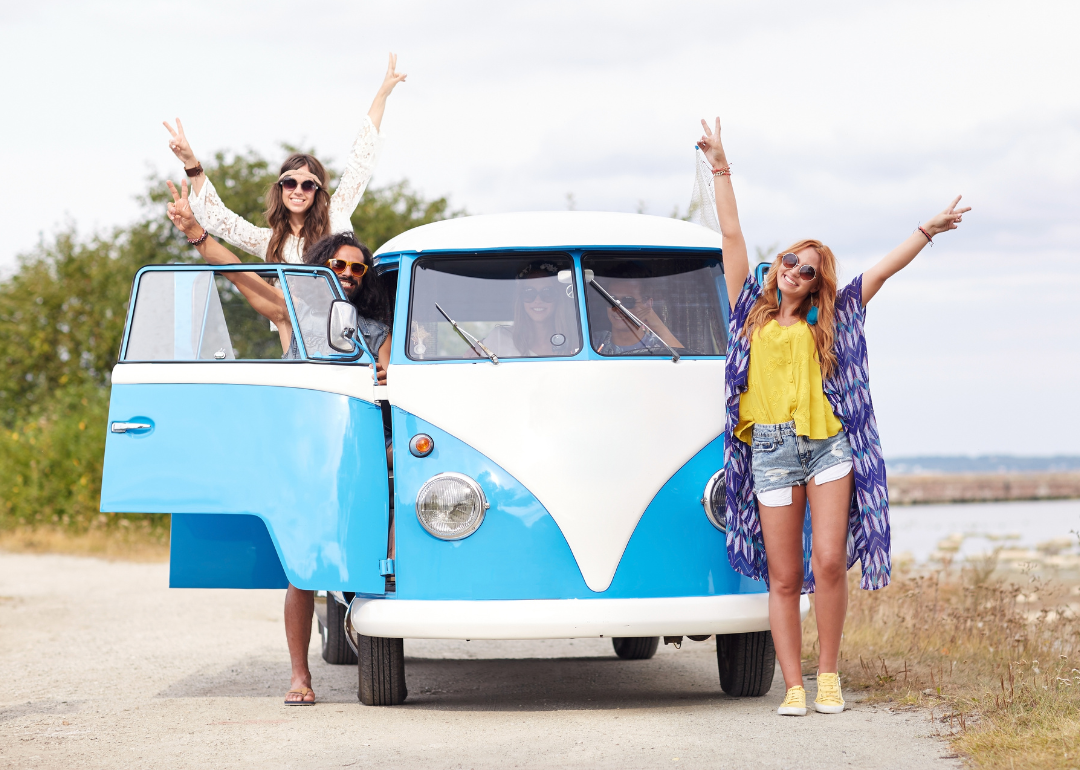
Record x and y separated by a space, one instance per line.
104 666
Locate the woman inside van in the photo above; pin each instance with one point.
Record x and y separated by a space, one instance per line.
351 261
299 208
799 422
545 320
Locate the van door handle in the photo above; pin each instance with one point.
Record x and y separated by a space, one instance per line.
124 427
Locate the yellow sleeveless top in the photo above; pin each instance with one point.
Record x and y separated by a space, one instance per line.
784 384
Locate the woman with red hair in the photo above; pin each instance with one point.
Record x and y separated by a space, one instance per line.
799 421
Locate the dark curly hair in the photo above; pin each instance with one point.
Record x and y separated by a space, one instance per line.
371 300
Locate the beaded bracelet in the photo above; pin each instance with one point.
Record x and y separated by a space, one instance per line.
200 239
928 238
725 171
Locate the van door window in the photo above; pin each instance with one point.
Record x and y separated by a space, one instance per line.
679 299
517 307
199 315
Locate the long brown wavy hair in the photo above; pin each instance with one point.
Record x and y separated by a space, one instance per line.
316 218
823 296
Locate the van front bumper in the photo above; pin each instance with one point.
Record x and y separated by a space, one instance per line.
562 618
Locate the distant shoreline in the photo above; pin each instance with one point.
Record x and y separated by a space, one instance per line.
937 488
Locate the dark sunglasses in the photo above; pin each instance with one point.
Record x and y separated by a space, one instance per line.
547 294
806 271
339 266
307 185
629 302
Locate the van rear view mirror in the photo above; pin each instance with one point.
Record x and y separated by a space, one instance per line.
341 325
565 276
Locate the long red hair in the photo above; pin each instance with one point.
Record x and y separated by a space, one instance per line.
823 297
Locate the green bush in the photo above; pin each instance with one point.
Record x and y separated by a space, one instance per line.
62 316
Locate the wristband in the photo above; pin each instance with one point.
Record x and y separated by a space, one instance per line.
200 239
194 172
725 171
928 238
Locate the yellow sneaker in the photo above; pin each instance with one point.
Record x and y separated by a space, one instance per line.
794 704
828 700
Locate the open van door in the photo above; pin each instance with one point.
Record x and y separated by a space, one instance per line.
273 469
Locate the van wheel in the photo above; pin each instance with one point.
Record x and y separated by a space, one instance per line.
381 664
335 645
635 647
747 663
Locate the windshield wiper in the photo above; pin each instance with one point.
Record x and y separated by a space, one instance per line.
637 322
475 344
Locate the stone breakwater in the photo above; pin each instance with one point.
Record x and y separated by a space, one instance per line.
982 488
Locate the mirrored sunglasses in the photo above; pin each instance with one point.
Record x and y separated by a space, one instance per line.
806 272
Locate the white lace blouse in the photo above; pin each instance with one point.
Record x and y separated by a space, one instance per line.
212 214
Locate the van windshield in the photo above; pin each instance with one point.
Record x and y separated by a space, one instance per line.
518 307
680 299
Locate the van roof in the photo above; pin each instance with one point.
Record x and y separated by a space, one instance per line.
553 229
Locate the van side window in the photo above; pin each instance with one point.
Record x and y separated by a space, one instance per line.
198 315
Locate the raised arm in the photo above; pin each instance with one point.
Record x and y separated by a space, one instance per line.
178 143
361 163
207 207
900 257
268 301
736 262
378 106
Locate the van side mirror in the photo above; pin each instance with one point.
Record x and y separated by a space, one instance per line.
341 325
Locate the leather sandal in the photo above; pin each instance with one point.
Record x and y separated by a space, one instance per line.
303 693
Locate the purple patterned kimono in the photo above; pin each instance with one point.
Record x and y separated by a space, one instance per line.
848 391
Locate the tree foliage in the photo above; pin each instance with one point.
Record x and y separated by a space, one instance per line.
62 316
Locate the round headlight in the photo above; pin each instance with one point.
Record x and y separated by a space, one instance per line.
451 506
713 501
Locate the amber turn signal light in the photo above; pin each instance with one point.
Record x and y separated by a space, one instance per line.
421 445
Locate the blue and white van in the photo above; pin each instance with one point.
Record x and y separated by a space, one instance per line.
555 402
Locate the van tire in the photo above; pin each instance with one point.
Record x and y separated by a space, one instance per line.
747 663
335 645
381 669
635 647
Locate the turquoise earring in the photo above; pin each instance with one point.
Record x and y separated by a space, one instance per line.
811 316
779 296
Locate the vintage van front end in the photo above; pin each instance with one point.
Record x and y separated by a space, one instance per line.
556 466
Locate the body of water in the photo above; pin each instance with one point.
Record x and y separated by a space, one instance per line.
977 528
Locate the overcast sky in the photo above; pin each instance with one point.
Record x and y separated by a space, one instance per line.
846 121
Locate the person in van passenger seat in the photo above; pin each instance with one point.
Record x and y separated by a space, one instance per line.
351 261
624 337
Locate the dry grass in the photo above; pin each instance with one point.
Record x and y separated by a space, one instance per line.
996 661
134 543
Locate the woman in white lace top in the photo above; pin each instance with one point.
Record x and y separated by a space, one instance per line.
299 209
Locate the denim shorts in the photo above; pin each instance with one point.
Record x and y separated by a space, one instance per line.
782 459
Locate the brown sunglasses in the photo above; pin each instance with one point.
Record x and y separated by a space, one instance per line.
806 271
340 265
290 184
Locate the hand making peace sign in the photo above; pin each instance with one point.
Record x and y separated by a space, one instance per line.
179 144
179 211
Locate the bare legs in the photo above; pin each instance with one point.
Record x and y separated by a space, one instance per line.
299 607
781 529
830 505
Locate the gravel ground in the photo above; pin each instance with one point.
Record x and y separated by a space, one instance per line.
104 666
